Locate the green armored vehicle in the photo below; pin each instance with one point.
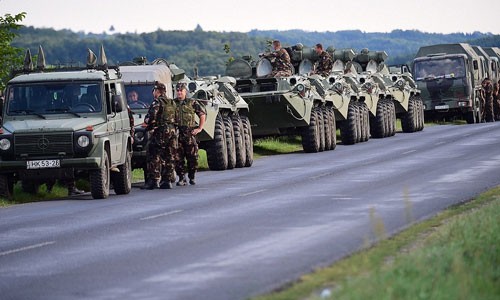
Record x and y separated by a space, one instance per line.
449 77
66 123
284 105
226 146
227 134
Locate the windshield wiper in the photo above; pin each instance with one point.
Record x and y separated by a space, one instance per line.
28 112
64 110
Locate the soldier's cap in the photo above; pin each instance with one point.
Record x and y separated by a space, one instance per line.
180 86
159 86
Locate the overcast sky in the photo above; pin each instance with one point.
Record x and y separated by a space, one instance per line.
97 16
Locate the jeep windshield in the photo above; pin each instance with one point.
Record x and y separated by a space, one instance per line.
431 69
42 99
139 96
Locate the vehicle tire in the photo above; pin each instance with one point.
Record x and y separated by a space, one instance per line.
327 124
29 187
359 123
348 130
239 140
6 186
392 117
321 124
122 181
247 134
310 134
421 114
231 149
217 147
408 121
100 179
377 123
333 128
365 117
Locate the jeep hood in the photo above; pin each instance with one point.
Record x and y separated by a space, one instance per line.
50 125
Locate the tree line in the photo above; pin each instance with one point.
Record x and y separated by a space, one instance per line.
210 51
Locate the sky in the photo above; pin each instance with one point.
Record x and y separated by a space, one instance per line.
97 16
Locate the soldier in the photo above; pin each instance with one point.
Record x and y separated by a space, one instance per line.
160 119
188 146
496 100
488 100
324 64
280 60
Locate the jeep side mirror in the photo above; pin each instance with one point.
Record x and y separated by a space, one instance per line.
117 103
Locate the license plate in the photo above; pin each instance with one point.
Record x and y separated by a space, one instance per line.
43 164
442 107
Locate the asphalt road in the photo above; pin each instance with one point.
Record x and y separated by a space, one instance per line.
242 232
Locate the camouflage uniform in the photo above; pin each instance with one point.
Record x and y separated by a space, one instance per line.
282 65
496 100
488 100
163 141
188 146
324 64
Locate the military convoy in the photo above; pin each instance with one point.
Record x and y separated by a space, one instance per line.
450 77
361 97
227 133
66 123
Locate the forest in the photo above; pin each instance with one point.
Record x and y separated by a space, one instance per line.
209 51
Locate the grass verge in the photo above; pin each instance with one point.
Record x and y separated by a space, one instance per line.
454 255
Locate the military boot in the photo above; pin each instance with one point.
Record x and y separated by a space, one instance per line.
150 185
166 185
182 181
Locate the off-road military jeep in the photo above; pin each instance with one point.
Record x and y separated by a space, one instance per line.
66 123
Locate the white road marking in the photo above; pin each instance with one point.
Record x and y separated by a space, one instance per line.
251 193
161 215
26 248
408 152
439 143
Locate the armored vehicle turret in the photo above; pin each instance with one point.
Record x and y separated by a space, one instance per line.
66 123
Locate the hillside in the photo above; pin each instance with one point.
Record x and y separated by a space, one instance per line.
205 49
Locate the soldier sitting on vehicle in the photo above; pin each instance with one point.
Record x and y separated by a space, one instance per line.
324 64
280 60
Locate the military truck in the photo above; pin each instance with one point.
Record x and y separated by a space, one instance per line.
66 123
494 55
449 77
284 105
226 146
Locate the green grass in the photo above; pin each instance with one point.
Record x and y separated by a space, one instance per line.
455 255
276 145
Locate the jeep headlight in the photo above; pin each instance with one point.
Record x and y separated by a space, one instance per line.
83 141
5 144
139 136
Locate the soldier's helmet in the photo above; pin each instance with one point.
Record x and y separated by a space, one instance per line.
160 86
181 85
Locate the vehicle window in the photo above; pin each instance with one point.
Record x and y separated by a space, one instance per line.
139 96
440 68
54 98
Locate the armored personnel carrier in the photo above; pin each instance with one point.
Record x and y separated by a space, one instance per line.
284 105
66 123
227 146
227 134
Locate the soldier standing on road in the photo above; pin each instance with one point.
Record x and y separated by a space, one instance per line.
488 100
161 120
280 60
188 146
496 100
324 64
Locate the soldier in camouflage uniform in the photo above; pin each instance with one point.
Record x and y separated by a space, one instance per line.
280 60
496 100
324 64
487 86
188 146
161 120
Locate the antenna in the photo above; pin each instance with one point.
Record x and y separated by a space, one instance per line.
40 63
28 62
91 59
102 64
